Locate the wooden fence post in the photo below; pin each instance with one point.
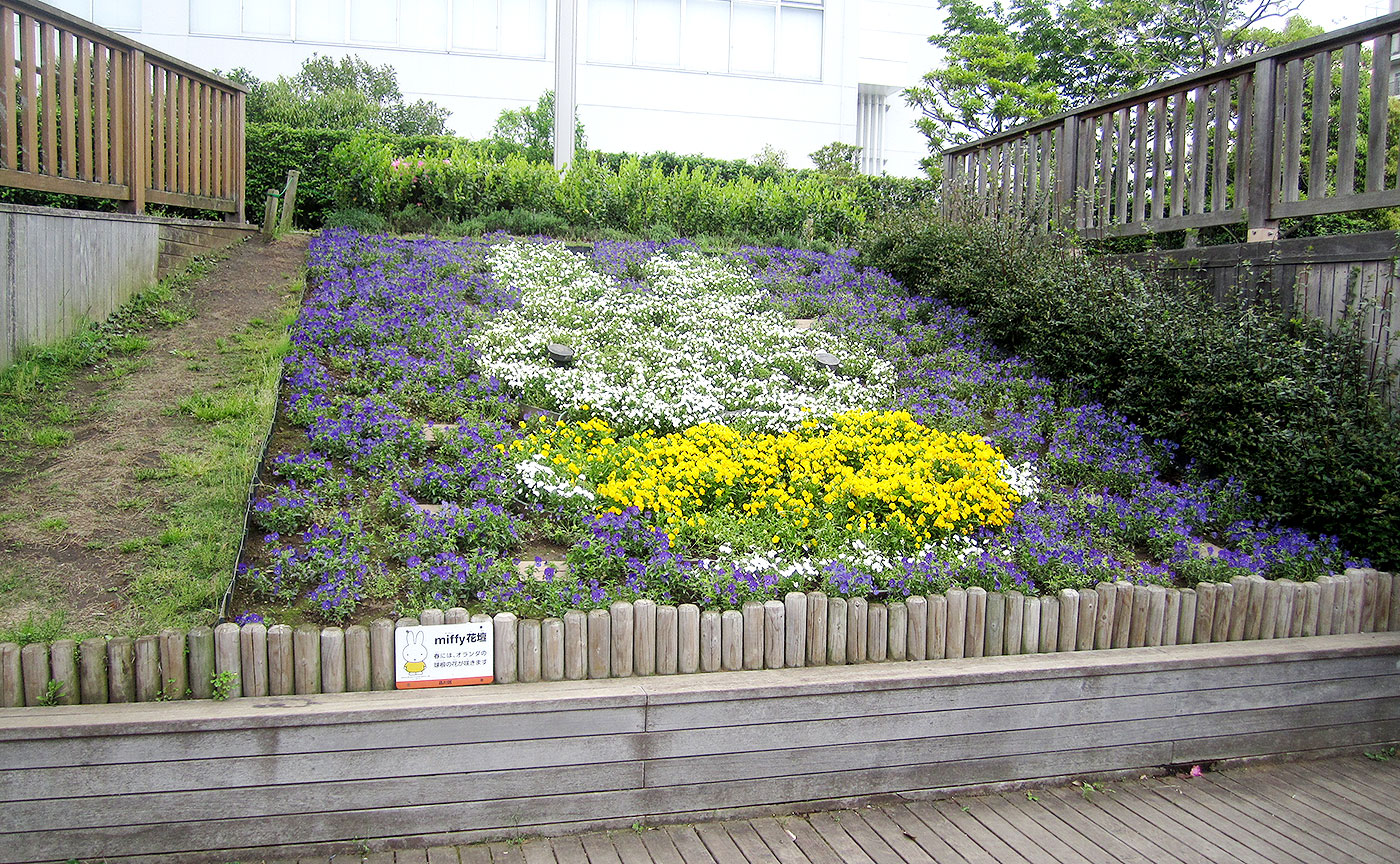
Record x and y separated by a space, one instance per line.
289 201
137 132
1259 189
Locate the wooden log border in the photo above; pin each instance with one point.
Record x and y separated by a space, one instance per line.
285 776
642 639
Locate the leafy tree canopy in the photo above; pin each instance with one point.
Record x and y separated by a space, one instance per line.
1006 65
344 94
530 130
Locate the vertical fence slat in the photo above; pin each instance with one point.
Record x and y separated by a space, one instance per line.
1268 619
620 662
147 669
731 638
34 662
253 656
1225 602
1186 627
63 665
48 86
85 116
306 660
1254 608
1012 632
529 667
836 617
156 149
30 110
9 107
644 637
1371 587
1346 130
381 654
1341 599
1140 129
816 628
576 644
1178 175
1292 130
917 642
127 105
1138 626
1104 175
1312 608
857 624
68 145
1381 48
1120 170
994 625
1155 615
1385 584
937 627
1030 626
1221 157
774 629
358 669
1088 619
1297 603
1049 625
121 669
668 640
92 669
688 637
752 615
1321 121
710 640
1244 138
975 641
877 633
1103 623
1171 617
11 676
795 622
552 649
173 666
104 98
506 650
1122 614
333 665
200 644
1200 157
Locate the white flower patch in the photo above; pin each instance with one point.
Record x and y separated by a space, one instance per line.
542 481
701 343
1023 479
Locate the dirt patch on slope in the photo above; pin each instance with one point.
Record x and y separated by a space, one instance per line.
76 520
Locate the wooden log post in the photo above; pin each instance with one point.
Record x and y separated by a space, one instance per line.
1205 611
333 666
289 201
92 669
1030 626
11 676
1137 627
1155 615
552 649
1186 628
816 628
34 660
1356 601
432 617
1068 636
975 637
63 666
754 645
306 660
710 624
857 629
1224 612
836 619
530 658
731 637
1049 624
795 632
667 640
269 224
200 645
1384 585
644 637
148 679
1122 613
252 651
1088 619
1312 605
1394 624
774 629
1103 625
456 615
381 654
1171 617
994 625
599 644
358 671
916 612
623 647
507 648
957 624
1242 615
575 645
688 635
937 627
1268 619
1015 614
877 633
121 667
228 658
897 631
1341 604
281 661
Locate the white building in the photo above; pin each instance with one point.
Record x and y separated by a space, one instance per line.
720 78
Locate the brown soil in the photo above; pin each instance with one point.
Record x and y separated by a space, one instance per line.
126 423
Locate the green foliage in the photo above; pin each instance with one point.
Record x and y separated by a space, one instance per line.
465 182
529 131
223 685
53 694
1283 404
348 94
837 159
772 158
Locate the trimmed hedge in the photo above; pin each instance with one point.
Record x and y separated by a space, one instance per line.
1281 403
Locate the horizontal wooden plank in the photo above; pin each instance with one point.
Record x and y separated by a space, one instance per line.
553 811
63 185
1301 741
194 202
1337 204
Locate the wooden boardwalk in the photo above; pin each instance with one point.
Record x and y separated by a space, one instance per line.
1343 810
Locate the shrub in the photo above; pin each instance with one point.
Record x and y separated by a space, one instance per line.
1284 404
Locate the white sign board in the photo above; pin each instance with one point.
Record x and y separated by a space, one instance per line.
443 655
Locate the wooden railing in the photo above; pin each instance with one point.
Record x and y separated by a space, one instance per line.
93 113
1242 141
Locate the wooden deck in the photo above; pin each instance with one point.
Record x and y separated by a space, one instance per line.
1341 810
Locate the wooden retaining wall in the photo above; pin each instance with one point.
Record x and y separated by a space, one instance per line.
642 639
65 268
300 775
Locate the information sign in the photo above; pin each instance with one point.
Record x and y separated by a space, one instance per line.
443 655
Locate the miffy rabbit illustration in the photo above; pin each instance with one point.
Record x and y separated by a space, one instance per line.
415 654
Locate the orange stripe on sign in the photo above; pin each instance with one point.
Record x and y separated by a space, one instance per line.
445 682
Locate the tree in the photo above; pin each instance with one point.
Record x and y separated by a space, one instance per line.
837 159
530 130
1004 66
344 94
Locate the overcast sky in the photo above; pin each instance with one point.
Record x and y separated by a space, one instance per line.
1339 13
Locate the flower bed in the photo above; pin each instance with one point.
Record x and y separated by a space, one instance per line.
730 429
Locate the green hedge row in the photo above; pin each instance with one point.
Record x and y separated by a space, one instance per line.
1281 403
464 181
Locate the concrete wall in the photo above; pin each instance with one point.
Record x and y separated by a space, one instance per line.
65 268
287 776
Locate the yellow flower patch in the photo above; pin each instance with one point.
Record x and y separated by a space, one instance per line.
876 473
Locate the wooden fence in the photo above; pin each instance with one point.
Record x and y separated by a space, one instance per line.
1347 280
1278 134
93 113
642 638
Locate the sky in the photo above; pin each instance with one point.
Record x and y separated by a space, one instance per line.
1333 14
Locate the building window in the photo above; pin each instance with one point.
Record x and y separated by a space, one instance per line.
871 106
511 27
781 38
